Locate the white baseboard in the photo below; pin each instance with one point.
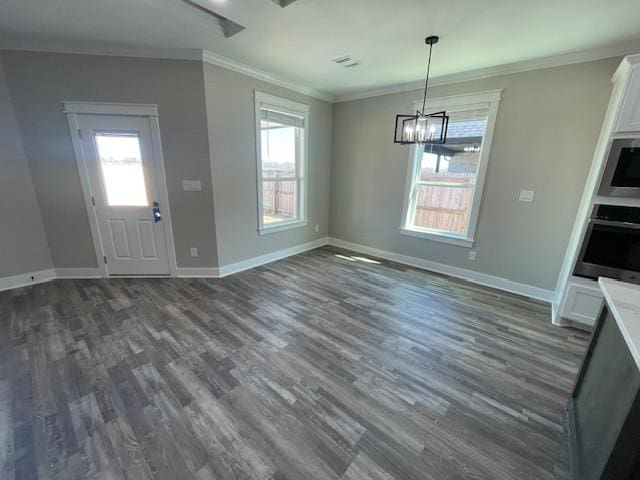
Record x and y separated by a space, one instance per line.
31 278
25 279
500 283
249 263
71 273
469 275
232 268
197 272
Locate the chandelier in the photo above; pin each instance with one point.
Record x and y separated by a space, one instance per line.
422 127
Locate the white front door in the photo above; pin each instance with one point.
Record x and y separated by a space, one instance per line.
121 169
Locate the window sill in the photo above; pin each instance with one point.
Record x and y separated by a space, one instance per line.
438 237
281 227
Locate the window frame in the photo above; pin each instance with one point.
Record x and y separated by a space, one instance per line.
452 104
283 105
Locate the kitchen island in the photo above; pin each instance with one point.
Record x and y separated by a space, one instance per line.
604 407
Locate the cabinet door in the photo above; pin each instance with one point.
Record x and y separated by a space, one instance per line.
629 120
583 304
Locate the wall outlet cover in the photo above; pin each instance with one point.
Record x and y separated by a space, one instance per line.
526 195
194 252
473 255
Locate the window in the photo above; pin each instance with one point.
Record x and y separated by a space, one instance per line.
444 182
282 138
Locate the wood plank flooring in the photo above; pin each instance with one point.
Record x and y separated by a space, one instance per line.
320 366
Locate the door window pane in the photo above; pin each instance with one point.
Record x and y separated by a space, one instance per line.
278 201
121 167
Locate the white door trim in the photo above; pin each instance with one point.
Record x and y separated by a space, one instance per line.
102 108
161 179
72 110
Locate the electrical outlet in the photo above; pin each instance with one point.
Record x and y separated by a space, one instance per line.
473 255
526 195
194 252
317 228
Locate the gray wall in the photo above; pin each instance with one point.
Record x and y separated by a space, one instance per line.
23 245
546 131
547 126
39 81
230 115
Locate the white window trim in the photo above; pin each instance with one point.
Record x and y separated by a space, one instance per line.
287 106
453 103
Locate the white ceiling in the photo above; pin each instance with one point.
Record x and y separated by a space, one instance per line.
296 43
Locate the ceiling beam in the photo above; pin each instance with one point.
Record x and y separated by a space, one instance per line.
283 3
229 27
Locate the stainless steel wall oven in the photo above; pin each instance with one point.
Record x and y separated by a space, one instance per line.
611 245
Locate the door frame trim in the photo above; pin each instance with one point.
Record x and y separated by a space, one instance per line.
73 110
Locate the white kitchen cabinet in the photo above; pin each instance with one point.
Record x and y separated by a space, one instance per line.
580 300
582 303
629 119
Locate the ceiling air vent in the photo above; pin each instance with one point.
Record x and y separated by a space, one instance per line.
283 3
346 61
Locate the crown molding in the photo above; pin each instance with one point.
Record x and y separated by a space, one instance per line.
206 56
229 64
628 62
505 69
168 54
158 53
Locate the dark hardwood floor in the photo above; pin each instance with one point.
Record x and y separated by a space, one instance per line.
320 366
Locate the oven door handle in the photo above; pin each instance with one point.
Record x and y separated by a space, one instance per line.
612 223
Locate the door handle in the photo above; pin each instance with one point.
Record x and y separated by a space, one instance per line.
157 216
614 223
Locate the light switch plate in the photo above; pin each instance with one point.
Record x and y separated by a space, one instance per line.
526 195
191 185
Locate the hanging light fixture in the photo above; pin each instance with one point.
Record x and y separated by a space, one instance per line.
422 127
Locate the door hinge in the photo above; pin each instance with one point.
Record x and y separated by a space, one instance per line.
105 259
93 201
80 134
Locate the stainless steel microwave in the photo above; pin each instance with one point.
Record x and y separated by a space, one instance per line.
621 176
